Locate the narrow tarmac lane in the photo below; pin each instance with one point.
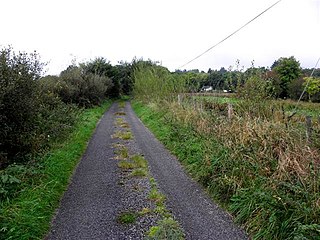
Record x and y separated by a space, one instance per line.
89 207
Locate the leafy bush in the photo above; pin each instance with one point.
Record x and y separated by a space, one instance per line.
254 88
19 102
13 179
31 115
83 89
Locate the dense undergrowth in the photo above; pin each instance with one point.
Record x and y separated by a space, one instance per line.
254 160
34 189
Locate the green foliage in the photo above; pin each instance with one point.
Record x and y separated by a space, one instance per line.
101 67
312 86
28 214
166 228
282 211
153 82
18 102
124 135
269 202
79 86
295 89
123 74
287 70
139 172
120 75
254 88
217 79
127 217
9 180
30 115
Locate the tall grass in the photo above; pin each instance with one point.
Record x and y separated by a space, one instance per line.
258 164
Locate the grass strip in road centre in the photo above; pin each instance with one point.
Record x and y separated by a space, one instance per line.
28 216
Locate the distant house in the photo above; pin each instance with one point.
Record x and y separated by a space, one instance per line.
206 89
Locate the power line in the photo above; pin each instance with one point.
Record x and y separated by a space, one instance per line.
200 55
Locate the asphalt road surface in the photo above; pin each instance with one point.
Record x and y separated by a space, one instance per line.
89 207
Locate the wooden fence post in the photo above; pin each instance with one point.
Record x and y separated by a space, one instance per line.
230 111
309 129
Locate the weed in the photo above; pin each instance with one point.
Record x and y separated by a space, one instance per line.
126 164
127 135
121 123
161 210
121 104
139 172
122 153
156 196
125 125
127 217
120 114
166 228
153 182
145 211
139 161
118 145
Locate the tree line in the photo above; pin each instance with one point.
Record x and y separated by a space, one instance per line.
36 111
284 79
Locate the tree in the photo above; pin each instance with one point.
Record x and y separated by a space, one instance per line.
82 87
103 68
287 70
312 86
123 72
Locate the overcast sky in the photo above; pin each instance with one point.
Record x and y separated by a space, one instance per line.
170 31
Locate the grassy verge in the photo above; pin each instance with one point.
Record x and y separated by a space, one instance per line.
252 168
28 215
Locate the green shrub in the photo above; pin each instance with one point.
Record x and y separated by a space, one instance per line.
31 114
83 89
19 103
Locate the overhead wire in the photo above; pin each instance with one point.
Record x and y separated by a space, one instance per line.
230 35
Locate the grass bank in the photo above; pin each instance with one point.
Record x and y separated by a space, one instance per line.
28 214
255 168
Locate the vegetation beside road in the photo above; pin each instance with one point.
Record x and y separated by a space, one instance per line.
257 163
45 124
27 214
261 136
